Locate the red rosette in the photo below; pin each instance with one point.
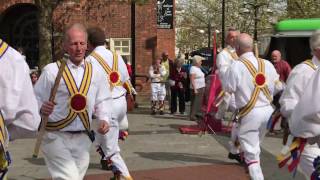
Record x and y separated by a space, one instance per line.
78 102
260 79
114 77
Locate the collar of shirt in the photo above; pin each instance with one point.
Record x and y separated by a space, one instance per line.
316 61
247 55
99 48
231 48
72 65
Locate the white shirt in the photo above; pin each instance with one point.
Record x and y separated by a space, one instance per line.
240 82
296 83
18 103
98 97
199 81
305 118
157 77
122 68
224 61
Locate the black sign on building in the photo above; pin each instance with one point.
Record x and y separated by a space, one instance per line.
165 14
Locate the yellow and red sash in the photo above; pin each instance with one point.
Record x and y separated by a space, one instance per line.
4 163
260 85
114 75
310 63
77 100
232 54
3 47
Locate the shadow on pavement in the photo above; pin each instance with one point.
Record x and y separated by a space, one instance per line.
184 157
268 163
38 161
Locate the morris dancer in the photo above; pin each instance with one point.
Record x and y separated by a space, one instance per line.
19 115
116 72
224 60
158 89
66 145
253 82
296 86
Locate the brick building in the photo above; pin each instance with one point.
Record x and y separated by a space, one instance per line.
19 19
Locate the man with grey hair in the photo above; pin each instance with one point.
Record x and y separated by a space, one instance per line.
253 82
83 91
296 112
224 60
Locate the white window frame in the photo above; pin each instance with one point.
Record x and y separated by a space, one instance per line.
112 45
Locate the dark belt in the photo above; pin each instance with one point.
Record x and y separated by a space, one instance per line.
119 96
75 132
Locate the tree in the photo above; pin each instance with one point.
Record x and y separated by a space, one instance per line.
46 8
198 14
303 9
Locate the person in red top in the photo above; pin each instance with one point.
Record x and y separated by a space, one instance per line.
128 65
282 66
177 81
283 69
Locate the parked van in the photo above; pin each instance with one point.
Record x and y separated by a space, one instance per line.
291 38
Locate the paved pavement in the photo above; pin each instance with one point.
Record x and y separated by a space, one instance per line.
156 150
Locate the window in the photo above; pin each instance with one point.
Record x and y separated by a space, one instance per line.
121 45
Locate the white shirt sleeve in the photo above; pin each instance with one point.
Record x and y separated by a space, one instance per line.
151 73
294 88
232 78
17 100
123 69
305 118
103 101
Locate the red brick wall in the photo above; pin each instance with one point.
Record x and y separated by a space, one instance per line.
114 18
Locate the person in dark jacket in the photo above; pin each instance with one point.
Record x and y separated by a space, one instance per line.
177 80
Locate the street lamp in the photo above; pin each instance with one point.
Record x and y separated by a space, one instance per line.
256 7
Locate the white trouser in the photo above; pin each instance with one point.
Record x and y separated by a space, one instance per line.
234 136
309 153
252 130
158 91
66 155
109 141
124 124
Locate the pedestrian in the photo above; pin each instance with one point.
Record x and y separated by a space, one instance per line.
115 69
34 77
168 65
157 74
129 68
19 117
224 60
197 86
297 85
83 90
253 82
282 66
283 69
177 80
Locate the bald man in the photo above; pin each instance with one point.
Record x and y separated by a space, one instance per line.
253 82
283 69
282 66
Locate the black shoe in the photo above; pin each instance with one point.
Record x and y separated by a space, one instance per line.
161 113
236 157
104 165
153 113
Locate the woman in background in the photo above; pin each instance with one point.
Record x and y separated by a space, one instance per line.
197 85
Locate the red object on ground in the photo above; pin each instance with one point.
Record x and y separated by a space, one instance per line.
208 123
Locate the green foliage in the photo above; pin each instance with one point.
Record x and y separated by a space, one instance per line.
303 9
199 14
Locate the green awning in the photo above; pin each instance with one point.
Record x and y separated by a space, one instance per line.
298 25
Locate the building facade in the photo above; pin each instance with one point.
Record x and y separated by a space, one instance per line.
19 27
